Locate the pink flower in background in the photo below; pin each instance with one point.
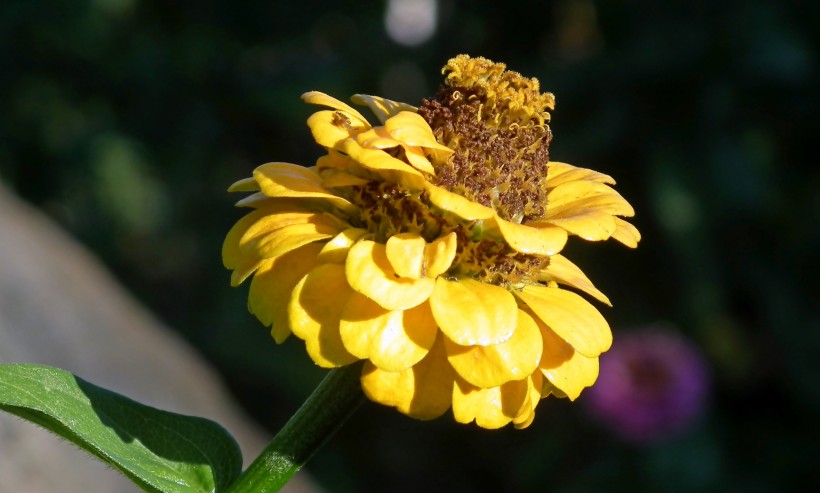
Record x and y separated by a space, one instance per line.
652 384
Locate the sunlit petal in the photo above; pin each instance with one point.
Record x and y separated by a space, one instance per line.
570 316
391 340
496 364
626 233
439 255
545 240
381 107
405 251
370 273
562 271
472 313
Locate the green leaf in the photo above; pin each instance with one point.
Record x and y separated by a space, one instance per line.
158 450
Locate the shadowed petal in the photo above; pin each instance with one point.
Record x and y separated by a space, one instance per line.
490 408
273 284
423 391
314 320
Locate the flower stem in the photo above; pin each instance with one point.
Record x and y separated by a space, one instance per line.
322 414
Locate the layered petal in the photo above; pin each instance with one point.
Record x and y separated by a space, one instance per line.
383 108
335 250
490 408
569 198
563 366
385 165
273 284
471 313
626 233
527 413
314 320
457 205
424 391
405 251
391 340
559 173
370 273
571 317
290 180
496 364
322 99
562 271
545 240
439 255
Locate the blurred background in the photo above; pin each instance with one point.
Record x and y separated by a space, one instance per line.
126 120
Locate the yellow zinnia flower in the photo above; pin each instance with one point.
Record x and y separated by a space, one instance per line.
428 245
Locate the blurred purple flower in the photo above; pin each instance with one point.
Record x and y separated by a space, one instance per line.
652 384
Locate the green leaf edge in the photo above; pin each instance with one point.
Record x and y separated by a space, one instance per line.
227 474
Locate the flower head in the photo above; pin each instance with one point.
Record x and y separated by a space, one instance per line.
428 245
653 384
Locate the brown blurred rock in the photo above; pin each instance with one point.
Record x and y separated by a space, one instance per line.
59 307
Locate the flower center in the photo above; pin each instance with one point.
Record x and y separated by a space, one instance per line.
496 121
387 210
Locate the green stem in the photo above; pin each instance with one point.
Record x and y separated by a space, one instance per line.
322 414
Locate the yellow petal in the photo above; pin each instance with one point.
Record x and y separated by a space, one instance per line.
490 408
562 271
591 225
290 180
244 185
377 138
370 273
331 128
473 313
285 239
558 173
543 240
417 159
405 251
527 413
256 200
456 204
385 165
439 255
269 222
381 107
564 367
626 233
570 316
411 129
423 391
335 160
232 256
322 99
335 250
245 269
391 340
335 178
314 312
496 364
569 198
273 283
